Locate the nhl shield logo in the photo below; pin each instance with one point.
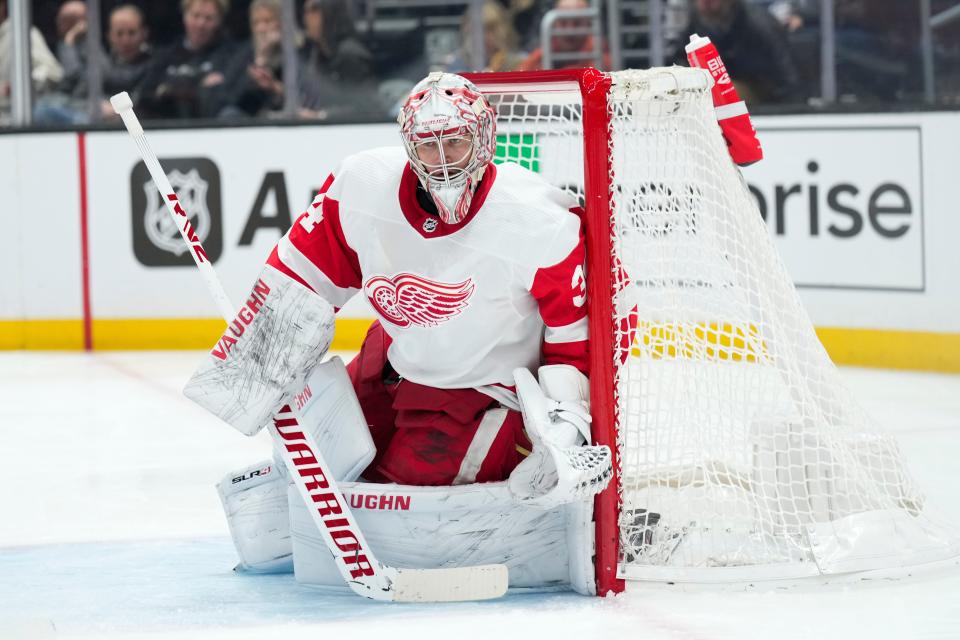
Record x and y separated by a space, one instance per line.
161 228
156 238
430 225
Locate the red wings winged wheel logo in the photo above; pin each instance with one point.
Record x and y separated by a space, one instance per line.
408 299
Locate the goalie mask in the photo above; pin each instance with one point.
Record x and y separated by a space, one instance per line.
449 132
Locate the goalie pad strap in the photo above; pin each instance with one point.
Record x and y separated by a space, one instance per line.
487 431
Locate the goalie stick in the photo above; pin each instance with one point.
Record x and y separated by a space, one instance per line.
356 562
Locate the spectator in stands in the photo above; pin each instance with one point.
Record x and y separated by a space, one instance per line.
335 68
568 43
877 50
129 51
524 16
753 47
71 24
801 23
256 79
947 56
186 80
499 42
793 15
67 104
121 70
45 70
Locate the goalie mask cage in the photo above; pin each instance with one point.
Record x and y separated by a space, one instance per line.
739 454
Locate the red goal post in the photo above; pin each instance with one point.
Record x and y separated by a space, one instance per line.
739 455
593 86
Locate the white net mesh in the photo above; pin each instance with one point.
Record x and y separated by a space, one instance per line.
742 456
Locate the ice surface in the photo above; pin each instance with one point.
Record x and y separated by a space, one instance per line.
110 527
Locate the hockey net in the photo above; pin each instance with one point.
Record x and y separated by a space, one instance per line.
740 454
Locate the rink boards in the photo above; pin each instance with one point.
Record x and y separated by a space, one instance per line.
861 208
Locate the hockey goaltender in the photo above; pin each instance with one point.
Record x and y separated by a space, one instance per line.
448 449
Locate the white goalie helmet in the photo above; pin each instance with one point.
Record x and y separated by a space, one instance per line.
449 132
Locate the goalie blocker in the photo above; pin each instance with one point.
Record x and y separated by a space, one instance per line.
278 337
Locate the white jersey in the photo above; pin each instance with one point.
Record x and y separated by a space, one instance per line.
464 304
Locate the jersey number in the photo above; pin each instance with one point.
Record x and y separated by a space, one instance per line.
579 285
314 215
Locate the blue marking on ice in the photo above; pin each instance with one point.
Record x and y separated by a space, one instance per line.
179 584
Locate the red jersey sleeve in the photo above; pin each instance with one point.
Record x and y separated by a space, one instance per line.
315 252
561 294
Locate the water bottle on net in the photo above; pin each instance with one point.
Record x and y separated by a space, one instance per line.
732 114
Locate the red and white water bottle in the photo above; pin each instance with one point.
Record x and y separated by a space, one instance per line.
738 131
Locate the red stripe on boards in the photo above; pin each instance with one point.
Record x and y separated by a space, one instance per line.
84 244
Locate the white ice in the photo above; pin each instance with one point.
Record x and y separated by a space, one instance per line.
110 528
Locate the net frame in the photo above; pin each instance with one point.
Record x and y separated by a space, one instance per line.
600 99
594 88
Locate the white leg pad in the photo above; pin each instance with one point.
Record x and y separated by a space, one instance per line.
255 498
255 502
581 541
471 524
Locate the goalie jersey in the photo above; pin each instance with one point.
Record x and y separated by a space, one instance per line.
464 304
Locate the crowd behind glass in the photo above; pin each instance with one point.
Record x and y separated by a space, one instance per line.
354 61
